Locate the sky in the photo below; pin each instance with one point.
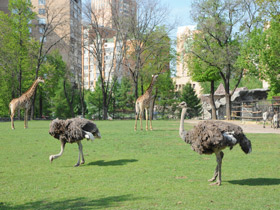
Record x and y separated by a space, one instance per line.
180 10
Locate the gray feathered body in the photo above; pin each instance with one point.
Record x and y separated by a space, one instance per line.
72 130
208 137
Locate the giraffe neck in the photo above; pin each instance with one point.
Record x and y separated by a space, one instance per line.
150 88
31 90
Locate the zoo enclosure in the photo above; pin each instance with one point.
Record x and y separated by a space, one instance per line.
253 109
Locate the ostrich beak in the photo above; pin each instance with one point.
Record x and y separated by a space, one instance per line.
51 158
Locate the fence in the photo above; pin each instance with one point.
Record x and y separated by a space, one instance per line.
253 110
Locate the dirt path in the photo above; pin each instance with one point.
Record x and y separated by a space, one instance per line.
247 126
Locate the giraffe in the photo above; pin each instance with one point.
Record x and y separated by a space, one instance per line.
145 102
24 102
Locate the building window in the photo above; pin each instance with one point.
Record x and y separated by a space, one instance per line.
41 30
41 38
42 2
42 11
42 21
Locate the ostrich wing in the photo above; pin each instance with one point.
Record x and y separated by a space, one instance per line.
78 128
210 136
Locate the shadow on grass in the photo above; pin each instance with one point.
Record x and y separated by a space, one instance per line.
256 181
77 203
120 162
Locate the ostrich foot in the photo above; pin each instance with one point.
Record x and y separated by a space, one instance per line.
82 162
215 183
77 164
212 179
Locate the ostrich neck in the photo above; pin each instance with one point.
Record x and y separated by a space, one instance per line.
181 128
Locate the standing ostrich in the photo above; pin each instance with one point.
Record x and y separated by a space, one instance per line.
71 131
209 137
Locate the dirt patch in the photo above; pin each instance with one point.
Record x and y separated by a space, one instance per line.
247 126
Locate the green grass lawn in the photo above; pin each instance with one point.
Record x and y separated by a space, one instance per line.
133 170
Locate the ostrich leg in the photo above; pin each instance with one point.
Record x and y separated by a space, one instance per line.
80 154
218 170
52 157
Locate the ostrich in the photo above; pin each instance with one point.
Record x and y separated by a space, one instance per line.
71 131
209 137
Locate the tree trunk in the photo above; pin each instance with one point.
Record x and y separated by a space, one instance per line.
142 86
136 88
228 106
212 102
40 102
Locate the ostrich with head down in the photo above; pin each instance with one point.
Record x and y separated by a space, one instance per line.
73 131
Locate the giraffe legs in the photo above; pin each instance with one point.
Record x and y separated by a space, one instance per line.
12 119
151 116
218 170
146 111
141 116
26 118
52 157
136 117
81 155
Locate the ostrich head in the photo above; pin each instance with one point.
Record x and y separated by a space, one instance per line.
56 128
96 133
40 79
183 105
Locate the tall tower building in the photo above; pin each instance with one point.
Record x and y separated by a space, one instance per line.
103 10
65 18
4 6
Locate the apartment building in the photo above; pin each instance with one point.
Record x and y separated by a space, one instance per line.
181 79
4 6
103 10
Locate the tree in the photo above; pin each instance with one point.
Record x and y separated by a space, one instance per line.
94 102
260 55
143 35
202 72
65 100
53 23
99 33
193 102
54 68
165 92
222 25
16 46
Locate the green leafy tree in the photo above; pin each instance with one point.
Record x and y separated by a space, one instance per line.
260 55
124 96
16 46
203 72
193 102
221 24
94 102
53 68
166 95
66 99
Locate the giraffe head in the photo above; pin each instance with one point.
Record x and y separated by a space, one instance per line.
40 79
154 78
